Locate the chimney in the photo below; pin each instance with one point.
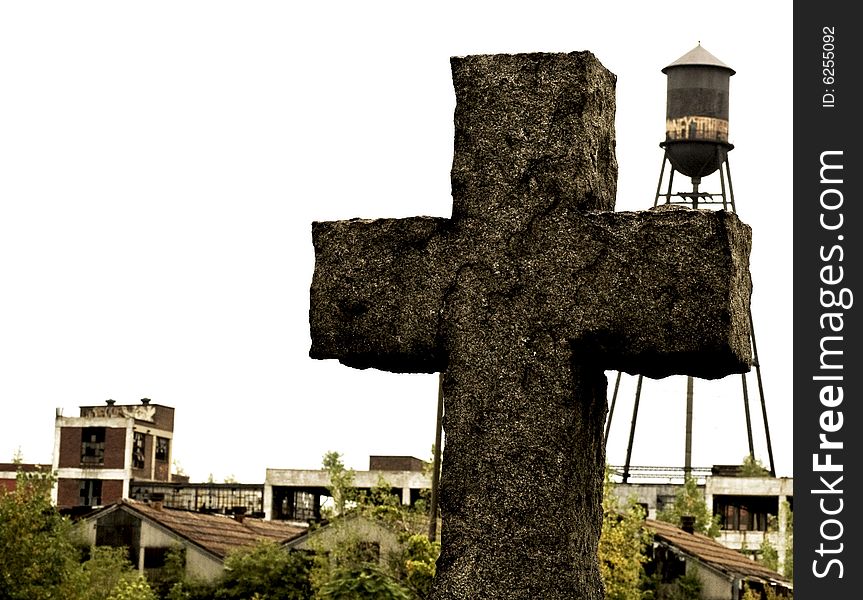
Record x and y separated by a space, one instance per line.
110 402
687 523
157 500
145 401
239 513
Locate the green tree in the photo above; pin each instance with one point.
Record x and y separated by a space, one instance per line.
769 554
788 566
689 501
172 574
362 582
346 568
414 564
39 559
752 467
341 486
622 546
132 588
752 594
686 587
188 589
41 552
266 569
108 572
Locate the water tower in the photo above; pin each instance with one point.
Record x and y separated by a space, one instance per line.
696 146
696 128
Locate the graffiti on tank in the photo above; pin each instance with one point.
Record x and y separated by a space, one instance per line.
696 128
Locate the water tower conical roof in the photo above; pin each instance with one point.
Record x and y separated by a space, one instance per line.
698 56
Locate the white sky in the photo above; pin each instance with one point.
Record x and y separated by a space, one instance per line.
161 164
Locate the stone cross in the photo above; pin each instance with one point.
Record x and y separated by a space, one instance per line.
522 299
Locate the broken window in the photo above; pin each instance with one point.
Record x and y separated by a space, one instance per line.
161 448
91 492
138 451
746 513
93 446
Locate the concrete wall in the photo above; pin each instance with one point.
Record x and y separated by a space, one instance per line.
749 486
781 488
362 479
311 479
355 529
714 585
654 495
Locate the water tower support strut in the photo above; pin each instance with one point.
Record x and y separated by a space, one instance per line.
632 429
611 410
757 366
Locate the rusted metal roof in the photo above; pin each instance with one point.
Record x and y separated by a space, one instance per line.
698 56
218 534
711 552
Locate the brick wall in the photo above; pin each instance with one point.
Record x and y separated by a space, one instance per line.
112 491
68 492
395 463
70 447
164 418
115 448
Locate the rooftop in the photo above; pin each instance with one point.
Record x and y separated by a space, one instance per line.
217 534
711 552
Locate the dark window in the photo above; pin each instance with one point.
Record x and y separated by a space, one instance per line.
154 558
293 504
138 451
93 446
161 448
746 513
91 492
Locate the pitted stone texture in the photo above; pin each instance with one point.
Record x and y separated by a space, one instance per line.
660 292
523 299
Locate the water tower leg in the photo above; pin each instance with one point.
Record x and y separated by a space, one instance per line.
757 365
730 186
748 418
436 462
687 458
659 183
611 410
632 429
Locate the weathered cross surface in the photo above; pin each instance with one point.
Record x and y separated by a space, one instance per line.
522 299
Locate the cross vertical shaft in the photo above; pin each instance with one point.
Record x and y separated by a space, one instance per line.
523 298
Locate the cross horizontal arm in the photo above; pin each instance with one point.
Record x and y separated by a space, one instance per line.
376 293
660 292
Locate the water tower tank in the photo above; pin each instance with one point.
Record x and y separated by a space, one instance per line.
696 117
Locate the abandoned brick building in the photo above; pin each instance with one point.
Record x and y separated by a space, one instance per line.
98 454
